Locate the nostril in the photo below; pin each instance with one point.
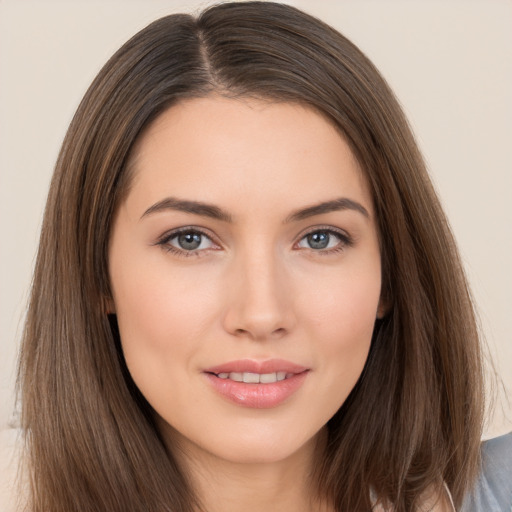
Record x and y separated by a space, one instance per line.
271 334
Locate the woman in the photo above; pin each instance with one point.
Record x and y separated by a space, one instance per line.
246 293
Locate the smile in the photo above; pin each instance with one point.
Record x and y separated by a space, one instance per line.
256 378
259 385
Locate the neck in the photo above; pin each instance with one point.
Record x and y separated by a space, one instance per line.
225 486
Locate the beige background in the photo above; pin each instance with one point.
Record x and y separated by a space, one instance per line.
449 61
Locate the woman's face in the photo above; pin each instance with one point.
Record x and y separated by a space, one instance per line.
246 276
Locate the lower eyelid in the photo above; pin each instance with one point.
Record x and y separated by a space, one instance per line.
176 236
344 239
164 242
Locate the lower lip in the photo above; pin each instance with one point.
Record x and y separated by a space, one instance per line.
257 396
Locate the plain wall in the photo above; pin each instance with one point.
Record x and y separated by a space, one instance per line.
448 61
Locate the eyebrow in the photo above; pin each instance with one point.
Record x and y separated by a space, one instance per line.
214 212
342 203
195 207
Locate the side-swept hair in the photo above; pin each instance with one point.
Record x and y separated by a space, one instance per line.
413 420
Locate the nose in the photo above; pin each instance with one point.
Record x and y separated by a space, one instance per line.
260 298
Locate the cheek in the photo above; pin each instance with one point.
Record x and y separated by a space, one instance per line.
344 304
341 320
162 318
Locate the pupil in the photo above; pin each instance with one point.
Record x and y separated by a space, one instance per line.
318 240
189 241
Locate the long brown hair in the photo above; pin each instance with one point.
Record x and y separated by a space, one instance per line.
413 420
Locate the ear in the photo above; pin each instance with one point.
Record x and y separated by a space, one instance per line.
108 306
383 308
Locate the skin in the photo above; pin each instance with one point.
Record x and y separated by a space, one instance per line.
254 289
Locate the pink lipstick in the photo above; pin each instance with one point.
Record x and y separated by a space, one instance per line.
257 384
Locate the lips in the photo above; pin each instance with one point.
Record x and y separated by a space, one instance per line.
255 378
257 384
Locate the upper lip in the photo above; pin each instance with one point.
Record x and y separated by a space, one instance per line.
261 367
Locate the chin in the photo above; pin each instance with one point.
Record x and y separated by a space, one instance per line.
263 443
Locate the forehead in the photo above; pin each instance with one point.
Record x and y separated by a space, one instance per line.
216 148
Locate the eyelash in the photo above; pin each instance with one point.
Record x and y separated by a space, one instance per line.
345 241
164 242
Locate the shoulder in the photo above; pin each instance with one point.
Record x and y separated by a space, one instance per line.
437 500
492 491
433 500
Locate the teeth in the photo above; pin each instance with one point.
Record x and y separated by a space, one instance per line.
255 378
251 378
268 378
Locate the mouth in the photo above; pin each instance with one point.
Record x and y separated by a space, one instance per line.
256 384
255 378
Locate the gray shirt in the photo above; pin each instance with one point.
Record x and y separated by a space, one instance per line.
493 489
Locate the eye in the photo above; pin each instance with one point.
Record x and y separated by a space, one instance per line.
189 241
186 241
324 239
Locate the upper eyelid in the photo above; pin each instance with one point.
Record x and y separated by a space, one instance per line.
345 240
168 235
165 239
331 229
171 233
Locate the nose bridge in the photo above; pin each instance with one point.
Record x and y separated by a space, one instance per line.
260 304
